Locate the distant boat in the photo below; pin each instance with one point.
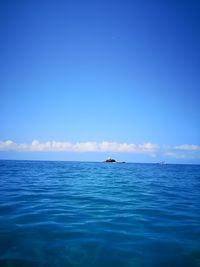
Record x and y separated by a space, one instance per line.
109 160
161 162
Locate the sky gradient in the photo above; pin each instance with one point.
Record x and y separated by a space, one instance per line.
124 73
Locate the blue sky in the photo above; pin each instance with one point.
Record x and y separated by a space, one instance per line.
89 72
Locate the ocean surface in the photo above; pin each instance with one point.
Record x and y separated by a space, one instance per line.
99 214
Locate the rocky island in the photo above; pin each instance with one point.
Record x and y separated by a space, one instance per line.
110 160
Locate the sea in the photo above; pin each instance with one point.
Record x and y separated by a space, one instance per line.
99 214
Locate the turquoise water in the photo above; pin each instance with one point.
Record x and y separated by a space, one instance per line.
98 214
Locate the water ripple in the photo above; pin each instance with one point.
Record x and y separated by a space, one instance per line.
95 214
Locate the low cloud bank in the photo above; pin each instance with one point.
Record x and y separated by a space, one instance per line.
185 151
55 146
187 147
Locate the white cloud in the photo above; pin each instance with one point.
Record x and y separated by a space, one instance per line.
183 151
187 147
55 146
180 151
175 155
115 147
7 145
148 147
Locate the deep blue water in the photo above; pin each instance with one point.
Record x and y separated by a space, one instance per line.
98 214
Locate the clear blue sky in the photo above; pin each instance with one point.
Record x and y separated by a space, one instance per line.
118 71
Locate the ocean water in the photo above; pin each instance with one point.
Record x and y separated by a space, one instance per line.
98 214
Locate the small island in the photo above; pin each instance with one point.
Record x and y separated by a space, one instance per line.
109 160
